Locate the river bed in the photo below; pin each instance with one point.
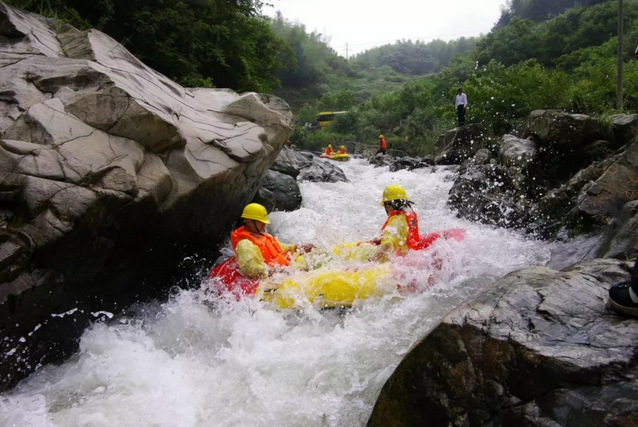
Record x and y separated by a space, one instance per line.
195 361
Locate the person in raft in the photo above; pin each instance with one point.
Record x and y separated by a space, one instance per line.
329 150
342 150
399 234
258 253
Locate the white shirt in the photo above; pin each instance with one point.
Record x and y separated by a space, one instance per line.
460 100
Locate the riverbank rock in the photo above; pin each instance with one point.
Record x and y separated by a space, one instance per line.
401 163
541 348
493 194
562 174
284 189
625 128
110 175
305 166
621 239
459 144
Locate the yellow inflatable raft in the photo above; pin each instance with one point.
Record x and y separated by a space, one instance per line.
328 289
340 157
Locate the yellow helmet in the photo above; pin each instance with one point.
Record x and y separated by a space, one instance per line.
329 145
393 192
343 146
255 211
380 136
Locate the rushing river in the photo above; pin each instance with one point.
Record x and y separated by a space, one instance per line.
193 361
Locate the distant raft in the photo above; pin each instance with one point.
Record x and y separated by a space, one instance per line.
336 157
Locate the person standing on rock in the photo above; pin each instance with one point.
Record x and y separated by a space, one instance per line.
460 103
383 145
624 296
258 252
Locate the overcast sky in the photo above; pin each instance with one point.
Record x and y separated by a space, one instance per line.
364 24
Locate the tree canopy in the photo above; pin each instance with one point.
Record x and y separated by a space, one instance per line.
222 43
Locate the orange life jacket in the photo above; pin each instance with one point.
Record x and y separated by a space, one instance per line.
383 144
269 246
329 151
341 151
414 241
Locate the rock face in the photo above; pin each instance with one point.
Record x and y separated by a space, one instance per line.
305 166
493 194
561 174
284 189
539 349
103 160
459 144
621 240
401 163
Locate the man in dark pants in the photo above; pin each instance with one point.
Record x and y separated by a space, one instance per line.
460 103
624 296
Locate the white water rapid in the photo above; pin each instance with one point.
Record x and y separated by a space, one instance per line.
190 362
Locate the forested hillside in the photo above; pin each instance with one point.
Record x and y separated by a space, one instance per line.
566 62
540 54
414 58
195 42
539 10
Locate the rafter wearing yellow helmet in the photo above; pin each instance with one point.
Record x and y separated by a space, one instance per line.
258 252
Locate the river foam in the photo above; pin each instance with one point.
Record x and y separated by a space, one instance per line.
197 361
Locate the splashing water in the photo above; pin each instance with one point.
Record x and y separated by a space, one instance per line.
195 361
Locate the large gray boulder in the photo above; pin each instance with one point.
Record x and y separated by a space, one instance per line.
284 189
515 151
541 348
459 144
562 130
604 198
305 166
322 170
621 239
494 194
625 128
107 166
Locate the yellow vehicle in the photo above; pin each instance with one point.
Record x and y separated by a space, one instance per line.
326 117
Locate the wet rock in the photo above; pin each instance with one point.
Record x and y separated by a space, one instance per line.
558 205
289 163
380 160
605 198
562 130
516 151
621 240
482 157
305 166
265 198
409 163
459 144
284 189
625 128
401 163
539 348
493 194
109 174
321 170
